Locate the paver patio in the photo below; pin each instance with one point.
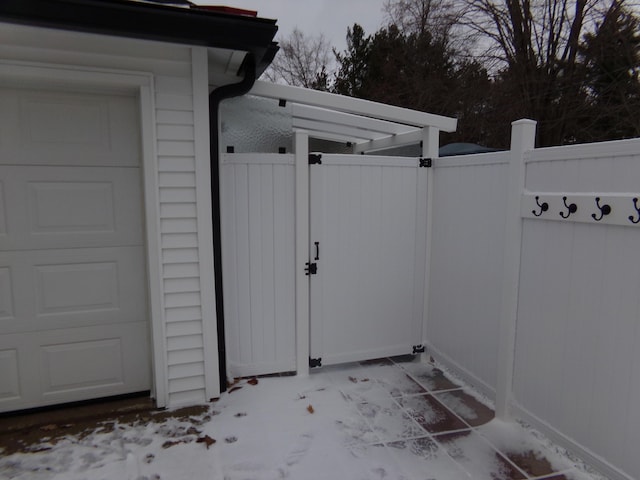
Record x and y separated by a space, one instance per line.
386 419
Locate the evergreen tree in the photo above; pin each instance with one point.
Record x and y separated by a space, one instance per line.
612 60
354 64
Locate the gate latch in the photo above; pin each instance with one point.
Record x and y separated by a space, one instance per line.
311 268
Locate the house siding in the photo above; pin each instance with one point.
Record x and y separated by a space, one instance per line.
181 219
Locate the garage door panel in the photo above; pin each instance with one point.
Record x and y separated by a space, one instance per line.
72 366
3 215
61 207
65 207
54 289
89 362
10 385
78 287
6 294
58 128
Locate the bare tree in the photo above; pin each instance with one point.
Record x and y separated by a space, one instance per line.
532 46
302 61
440 18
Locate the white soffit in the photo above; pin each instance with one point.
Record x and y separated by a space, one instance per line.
224 65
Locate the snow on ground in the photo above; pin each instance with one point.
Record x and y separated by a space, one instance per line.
367 421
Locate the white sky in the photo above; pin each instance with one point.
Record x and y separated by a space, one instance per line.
312 17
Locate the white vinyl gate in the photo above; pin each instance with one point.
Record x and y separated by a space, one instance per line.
368 217
367 232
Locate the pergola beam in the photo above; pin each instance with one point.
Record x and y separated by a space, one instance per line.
381 143
382 127
351 134
355 106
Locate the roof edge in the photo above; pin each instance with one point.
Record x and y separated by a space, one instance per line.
148 21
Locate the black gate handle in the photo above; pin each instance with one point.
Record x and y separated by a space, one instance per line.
317 244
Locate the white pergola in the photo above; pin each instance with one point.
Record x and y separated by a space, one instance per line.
368 126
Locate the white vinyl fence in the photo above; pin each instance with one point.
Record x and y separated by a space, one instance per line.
541 308
466 263
530 291
577 356
257 205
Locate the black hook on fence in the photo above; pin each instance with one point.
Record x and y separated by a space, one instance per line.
571 208
543 207
604 210
635 205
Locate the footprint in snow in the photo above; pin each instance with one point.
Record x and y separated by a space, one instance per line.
300 450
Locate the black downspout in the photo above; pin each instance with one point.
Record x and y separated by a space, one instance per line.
215 97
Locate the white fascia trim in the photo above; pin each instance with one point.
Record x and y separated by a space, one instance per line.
154 251
356 106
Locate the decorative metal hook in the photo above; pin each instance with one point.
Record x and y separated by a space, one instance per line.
635 205
604 210
543 207
571 208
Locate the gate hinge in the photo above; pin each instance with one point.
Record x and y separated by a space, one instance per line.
418 349
315 159
311 268
315 362
425 162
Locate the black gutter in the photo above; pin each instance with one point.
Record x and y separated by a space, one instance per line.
215 97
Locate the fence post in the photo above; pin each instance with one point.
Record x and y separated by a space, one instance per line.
523 133
301 150
430 147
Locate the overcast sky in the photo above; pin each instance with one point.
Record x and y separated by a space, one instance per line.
312 17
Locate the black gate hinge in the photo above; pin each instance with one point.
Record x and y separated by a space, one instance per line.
315 159
315 362
418 349
425 163
311 268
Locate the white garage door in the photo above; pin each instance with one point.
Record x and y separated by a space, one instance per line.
73 303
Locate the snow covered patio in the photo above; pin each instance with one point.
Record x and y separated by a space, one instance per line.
387 419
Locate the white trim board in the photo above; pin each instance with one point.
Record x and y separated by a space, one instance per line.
205 230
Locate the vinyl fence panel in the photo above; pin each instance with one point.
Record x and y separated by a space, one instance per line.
466 263
577 363
257 200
